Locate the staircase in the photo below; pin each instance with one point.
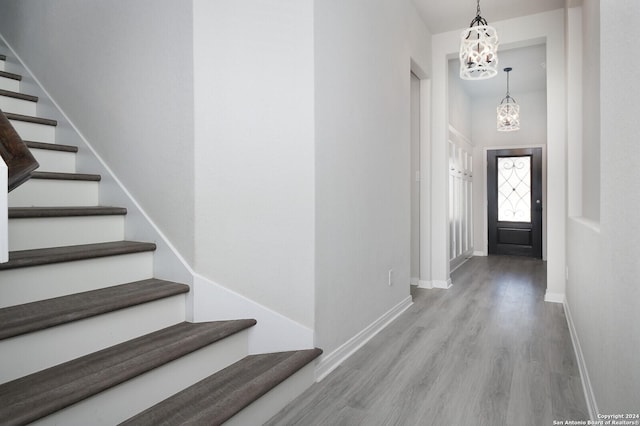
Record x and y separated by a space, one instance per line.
89 336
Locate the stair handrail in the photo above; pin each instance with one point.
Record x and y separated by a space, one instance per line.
15 154
16 168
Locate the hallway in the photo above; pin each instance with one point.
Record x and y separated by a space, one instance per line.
488 351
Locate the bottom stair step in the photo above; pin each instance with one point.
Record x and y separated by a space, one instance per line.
40 394
219 397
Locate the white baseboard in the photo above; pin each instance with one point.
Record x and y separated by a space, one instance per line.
589 395
435 284
554 297
425 284
273 332
331 361
414 281
442 284
479 253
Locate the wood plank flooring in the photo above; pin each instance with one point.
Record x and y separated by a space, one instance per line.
488 351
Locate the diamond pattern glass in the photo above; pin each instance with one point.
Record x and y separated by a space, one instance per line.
514 189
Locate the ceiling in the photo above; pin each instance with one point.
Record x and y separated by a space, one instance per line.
448 15
528 63
529 73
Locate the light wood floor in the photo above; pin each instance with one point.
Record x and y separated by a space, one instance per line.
488 351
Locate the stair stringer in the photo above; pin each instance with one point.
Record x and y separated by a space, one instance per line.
207 300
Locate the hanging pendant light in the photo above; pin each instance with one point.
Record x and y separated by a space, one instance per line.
478 50
508 111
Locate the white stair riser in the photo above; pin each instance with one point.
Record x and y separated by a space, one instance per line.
17 106
32 352
127 399
55 161
1 65
9 84
268 405
51 192
34 131
24 285
25 234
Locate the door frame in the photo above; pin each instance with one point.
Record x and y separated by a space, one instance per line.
485 203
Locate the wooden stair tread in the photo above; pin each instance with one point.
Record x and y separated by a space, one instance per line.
43 256
51 146
220 396
17 95
29 317
66 176
31 119
38 212
10 75
34 396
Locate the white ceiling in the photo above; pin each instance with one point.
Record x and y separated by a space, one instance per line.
528 74
448 15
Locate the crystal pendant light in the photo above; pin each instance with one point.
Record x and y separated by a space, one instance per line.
478 50
508 111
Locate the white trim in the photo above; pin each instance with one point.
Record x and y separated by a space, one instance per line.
479 253
331 361
414 281
273 333
442 284
4 219
554 297
425 284
589 395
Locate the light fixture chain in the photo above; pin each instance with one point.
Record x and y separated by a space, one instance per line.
478 8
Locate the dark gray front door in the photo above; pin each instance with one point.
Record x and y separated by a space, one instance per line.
514 180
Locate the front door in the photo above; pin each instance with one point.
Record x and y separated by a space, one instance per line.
514 180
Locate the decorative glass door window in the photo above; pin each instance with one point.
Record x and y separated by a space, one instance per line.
514 189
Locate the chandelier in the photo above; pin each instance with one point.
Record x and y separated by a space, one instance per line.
508 111
478 50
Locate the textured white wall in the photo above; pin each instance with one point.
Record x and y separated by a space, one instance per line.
603 287
363 59
254 151
122 73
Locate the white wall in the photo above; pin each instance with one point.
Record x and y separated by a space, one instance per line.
122 72
254 151
603 286
363 58
591 112
459 102
528 30
533 132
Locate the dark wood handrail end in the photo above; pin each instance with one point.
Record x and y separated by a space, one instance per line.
15 154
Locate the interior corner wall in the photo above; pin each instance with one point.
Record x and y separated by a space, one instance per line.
254 151
121 72
363 59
